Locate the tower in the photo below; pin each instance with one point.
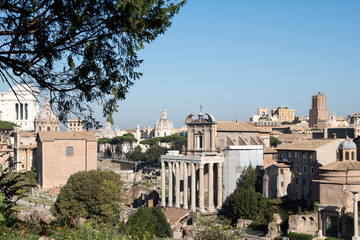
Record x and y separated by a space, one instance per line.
318 111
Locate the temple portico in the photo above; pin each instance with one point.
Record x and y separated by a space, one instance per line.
193 182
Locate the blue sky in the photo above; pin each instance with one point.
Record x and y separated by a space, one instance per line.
234 56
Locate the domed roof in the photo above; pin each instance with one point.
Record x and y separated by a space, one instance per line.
47 112
347 144
107 131
163 122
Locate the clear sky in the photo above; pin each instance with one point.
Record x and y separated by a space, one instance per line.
234 56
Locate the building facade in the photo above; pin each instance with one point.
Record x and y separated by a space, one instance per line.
207 174
304 159
75 124
20 105
338 182
318 114
61 154
284 114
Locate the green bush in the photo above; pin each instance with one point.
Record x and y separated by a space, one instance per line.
148 223
333 238
90 195
299 236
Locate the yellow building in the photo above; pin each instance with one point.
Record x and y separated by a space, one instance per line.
284 114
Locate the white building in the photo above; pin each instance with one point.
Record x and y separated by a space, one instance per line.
163 127
20 105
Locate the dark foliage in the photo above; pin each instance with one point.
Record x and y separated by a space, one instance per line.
80 51
299 236
92 194
151 220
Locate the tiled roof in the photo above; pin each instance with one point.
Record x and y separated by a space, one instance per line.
66 135
270 150
27 134
342 165
307 145
236 126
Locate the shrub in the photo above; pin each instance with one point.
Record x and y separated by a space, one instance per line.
147 223
90 195
299 236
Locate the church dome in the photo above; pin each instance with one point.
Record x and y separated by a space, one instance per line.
347 144
163 126
47 112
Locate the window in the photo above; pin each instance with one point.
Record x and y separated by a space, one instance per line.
48 129
297 168
26 111
304 181
346 155
21 111
289 154
281 171
296 181
282 184
17 111
311 155
312 169
69 151
296 155
304 156
304 169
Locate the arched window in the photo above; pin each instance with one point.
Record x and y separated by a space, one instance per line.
69 151
48 128
346 155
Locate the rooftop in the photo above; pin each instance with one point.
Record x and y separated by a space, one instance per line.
235 126
342 166
307 145
66 135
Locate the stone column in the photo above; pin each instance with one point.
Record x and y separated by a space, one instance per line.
193 187
319 223
170 203
356 227
177 186
211 187
201 188
186 187
220 186
163 186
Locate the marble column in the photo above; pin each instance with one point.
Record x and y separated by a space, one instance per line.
201 188
186 187
193 187
211 187
163 186
220 186
356 227
170 203
319 223
177 186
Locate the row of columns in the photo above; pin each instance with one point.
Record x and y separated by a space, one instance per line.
182 166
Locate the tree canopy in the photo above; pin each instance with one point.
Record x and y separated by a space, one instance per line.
80 51
147 223
92 194
274 141
7 126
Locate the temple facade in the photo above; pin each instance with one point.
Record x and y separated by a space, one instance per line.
196 180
